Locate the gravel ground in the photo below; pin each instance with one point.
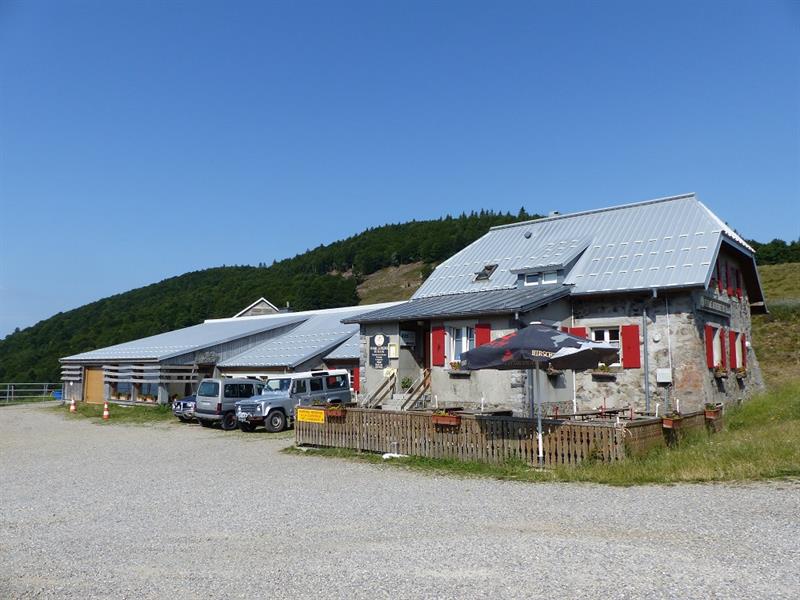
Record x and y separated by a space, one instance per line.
96 511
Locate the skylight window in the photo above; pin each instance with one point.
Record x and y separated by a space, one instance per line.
485 273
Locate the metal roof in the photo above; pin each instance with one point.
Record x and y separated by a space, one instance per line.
322 332
351 349
663 243
190 339
466 305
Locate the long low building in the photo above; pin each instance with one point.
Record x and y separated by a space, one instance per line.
258 341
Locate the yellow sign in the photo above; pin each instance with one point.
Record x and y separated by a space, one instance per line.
311 415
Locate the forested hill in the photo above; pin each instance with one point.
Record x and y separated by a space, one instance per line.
324 277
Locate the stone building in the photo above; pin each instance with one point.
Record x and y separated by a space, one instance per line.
665 280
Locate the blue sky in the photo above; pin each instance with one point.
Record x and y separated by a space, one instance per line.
140 140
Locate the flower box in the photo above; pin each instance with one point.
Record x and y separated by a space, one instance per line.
448 420
607 375
671 422
551 372
741 374
720 373
712 413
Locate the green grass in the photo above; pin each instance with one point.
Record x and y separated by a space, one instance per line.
761 440
119 413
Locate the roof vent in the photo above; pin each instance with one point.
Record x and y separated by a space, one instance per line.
554 213
485 273
527 234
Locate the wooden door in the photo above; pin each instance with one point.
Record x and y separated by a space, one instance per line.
93 389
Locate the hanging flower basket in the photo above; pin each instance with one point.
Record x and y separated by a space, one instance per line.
671 421
446 419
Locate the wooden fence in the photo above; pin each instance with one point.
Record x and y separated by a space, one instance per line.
486 438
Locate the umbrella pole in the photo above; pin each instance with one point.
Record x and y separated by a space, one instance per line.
539 419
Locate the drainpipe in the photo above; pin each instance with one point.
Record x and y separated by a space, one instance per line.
646 361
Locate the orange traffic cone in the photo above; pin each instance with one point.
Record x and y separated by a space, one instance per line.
72 406
105 411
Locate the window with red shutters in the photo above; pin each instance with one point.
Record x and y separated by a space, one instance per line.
732 344
710 346
631 356
437 345
483 334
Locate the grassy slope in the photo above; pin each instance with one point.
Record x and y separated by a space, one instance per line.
391 283
776 336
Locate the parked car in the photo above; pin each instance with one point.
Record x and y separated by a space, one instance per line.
183 408
216 400
275 407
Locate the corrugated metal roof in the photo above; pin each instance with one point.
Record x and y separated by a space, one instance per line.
669 242
189 339
349 350
322 332
465 305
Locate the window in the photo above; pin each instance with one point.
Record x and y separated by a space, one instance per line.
740 350
316 384
485 273
462 339
717 345
209 389
532 278
300 386
549 278
278 385
608 335
336 382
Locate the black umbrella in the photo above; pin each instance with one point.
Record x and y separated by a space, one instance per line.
535 344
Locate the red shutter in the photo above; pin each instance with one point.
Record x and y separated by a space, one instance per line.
744 351
356 379
437 345
710 347
483 334
732 340
719 277
579 331
631 357
722 361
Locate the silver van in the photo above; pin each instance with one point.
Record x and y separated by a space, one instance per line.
275 407
216 400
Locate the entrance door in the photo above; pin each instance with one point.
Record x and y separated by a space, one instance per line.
93 390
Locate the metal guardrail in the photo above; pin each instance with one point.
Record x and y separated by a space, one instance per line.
18 393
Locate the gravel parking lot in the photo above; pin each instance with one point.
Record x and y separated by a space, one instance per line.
95 511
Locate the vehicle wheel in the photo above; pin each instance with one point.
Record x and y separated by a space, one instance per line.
183 419
249 428
229 421
275 421
205 423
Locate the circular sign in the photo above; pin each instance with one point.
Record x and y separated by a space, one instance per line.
380 339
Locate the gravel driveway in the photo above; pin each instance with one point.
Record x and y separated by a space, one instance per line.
176 511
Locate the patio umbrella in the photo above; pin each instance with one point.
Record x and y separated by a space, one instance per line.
535 344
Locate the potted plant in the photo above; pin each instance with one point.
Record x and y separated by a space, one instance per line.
335 410
741 373
551 372
671 420
455 365
406 383
712 411
603 371
720 372
448 419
